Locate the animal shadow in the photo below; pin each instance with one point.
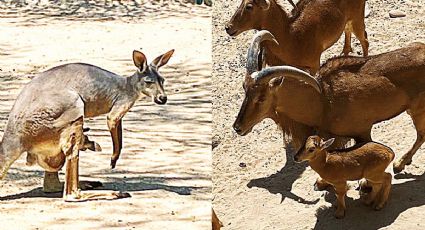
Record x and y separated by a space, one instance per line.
131 184
281 182
358 216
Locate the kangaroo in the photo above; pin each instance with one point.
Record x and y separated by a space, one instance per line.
47 118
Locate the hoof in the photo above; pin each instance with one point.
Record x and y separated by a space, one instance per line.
367 201
378 207
340 215
397 168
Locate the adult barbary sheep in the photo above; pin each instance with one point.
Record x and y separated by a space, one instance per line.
367 160
348 97
302 39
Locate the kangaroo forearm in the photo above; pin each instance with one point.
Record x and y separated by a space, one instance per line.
116 135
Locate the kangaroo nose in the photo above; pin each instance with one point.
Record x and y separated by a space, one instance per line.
160 100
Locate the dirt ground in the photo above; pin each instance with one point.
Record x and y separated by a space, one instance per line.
272 192
166 161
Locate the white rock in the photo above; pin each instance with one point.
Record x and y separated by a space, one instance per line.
397 14
366 11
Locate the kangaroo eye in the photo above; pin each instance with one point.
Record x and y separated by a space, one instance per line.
249 7
149 80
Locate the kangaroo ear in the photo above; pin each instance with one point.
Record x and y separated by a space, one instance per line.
326 144
162 59
264 4
140 60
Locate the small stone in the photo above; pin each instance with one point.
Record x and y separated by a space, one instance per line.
397 14
242 165
366 11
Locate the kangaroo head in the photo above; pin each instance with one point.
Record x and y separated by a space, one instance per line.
150 82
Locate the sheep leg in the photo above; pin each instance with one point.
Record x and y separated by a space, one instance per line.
406 159
347 43
359 30
417 113
321 184
340 190
371 197
385 191
365 187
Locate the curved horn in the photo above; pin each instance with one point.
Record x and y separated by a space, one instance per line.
288 71
252 64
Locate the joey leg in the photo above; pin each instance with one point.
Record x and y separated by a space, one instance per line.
51 182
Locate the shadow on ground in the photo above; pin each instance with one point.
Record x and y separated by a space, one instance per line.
132 184
281 182
403 197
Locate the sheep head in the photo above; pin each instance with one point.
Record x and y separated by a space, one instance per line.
248 16
261 86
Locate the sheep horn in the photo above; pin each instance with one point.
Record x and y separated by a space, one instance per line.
252 64
288 71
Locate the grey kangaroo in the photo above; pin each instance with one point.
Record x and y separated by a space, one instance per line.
47 118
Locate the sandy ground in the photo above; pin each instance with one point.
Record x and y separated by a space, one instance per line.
166 160
274 193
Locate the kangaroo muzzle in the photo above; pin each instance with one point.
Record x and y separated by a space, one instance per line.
160 100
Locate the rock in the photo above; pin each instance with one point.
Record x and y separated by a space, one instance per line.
366 11
397 14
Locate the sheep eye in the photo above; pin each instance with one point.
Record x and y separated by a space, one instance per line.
310 150
249 7
260 99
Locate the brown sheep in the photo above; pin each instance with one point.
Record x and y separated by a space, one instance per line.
348 97
314 27
368 160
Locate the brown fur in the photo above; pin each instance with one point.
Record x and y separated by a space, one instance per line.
356 93
216 223
305 35
367 160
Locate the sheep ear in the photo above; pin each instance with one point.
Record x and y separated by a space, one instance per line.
276 81
326 144
264 4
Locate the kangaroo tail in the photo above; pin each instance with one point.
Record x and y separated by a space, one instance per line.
7 157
